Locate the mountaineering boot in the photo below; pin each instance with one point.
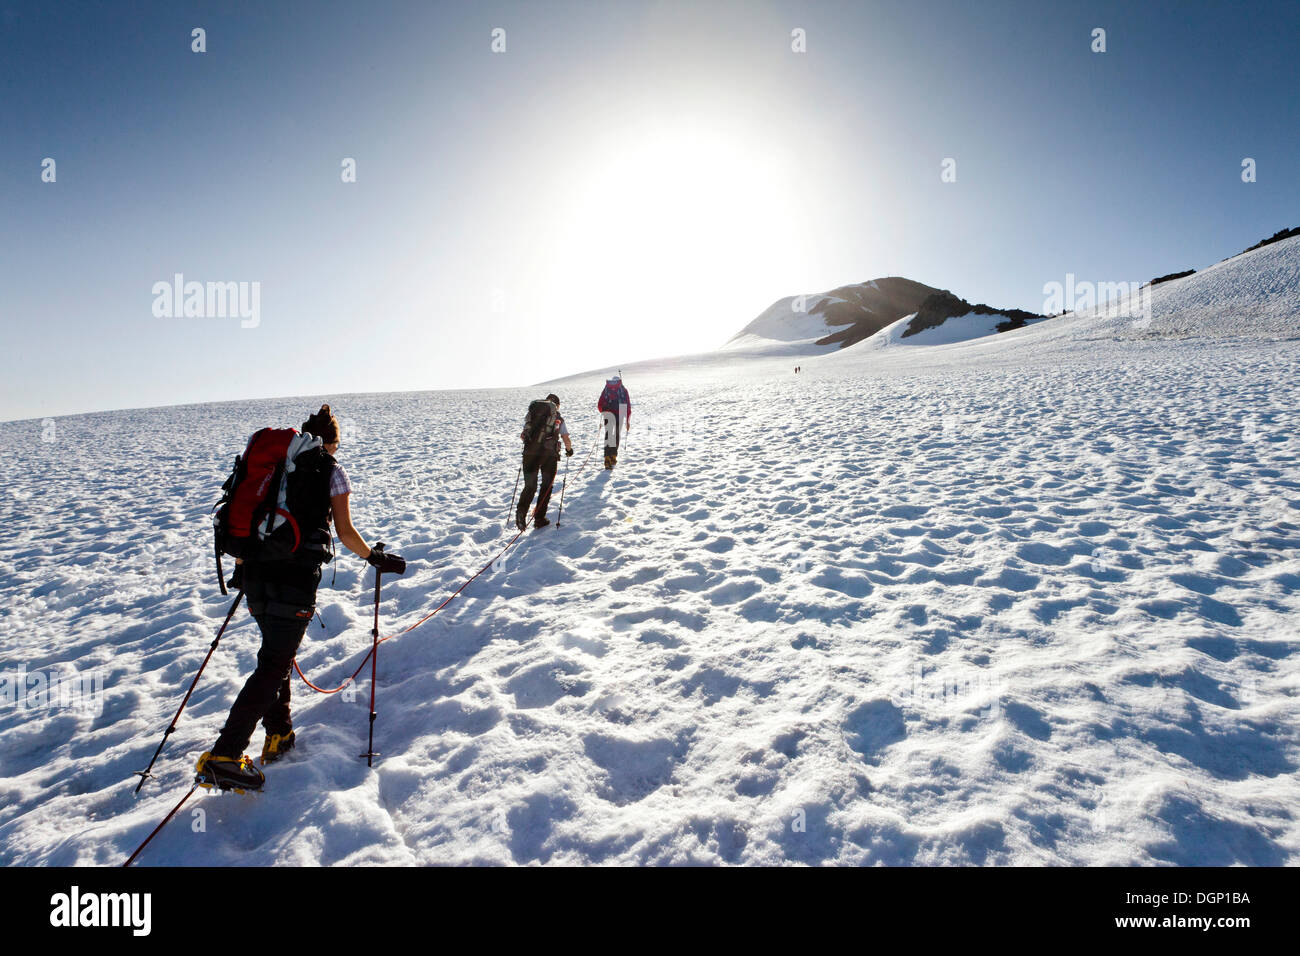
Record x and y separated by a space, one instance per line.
541 522
609 460
228 773
520 521
276 746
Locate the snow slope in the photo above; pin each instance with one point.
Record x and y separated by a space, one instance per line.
1252 295
784 326
957 328
1026 600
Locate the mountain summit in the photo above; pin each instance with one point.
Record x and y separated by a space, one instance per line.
840 317
852 313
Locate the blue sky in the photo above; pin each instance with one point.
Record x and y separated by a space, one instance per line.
626 181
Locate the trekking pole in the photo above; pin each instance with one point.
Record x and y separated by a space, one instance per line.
621 432
370 754
563 485
512 495
145 773
165 820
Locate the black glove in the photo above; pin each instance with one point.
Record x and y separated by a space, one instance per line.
236 582
384 562
568 452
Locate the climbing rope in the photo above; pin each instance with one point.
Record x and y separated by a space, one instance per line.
373 648
509 544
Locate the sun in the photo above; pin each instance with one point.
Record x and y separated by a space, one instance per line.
664 222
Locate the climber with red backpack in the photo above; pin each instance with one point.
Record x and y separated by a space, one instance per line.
544 429
616 408
275 519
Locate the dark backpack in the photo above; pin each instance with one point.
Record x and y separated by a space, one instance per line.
275 504
541 427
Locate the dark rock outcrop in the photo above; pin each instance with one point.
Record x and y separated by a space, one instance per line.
1172 276
1276 237
941 306
866 308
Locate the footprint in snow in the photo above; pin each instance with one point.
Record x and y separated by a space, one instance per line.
634 768
543 684
873 727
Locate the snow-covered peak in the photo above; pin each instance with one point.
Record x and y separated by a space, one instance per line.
825 321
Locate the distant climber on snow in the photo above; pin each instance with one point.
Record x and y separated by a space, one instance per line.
544 429
616 407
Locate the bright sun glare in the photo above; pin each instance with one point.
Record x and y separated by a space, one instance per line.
669 224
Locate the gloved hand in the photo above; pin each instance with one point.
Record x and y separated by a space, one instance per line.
384 562
236 582
568 452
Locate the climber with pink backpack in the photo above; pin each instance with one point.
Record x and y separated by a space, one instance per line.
616 408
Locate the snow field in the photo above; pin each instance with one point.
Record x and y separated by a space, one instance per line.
1038 610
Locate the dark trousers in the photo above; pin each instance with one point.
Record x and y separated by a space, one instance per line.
542 462
282 599
265 696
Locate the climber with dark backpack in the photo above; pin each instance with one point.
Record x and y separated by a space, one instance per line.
544 429
274 518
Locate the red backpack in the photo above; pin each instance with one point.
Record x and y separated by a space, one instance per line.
276 495
611 397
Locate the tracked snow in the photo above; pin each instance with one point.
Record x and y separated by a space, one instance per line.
1029 599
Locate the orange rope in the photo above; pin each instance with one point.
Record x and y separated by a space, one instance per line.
450 598
322 690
